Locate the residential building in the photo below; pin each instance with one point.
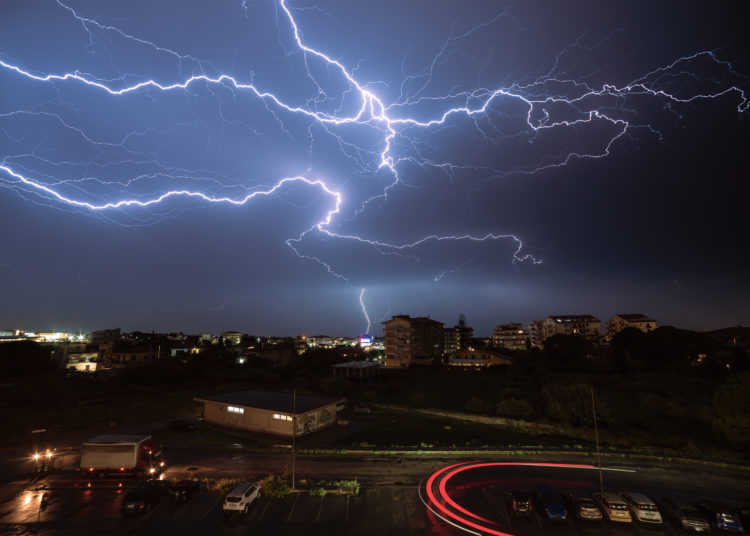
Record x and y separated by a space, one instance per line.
536 333
457 338
120 358
82 361
478 358
585 326
621 321
510 336
410 341
231 338
270 412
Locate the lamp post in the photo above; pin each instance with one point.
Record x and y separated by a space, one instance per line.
596 435
294 429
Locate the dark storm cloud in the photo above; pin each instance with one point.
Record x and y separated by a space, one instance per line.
657 225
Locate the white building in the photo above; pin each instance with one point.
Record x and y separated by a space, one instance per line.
585 326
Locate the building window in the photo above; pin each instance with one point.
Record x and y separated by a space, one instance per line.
234 409
282 417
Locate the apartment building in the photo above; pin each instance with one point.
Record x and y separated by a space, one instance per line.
410 341
585 326
624 320
510 336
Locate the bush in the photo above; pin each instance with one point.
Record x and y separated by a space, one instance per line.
477 405
225 485
732 405
516 408
416 400
571 403
275 487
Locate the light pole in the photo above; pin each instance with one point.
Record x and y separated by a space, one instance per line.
294 429
596 435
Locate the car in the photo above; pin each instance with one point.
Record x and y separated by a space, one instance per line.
140 500
641 507
720 516
612 506
519 503
583 505
340 406
182 424
684 515
183 490
238 500
362 408
550 503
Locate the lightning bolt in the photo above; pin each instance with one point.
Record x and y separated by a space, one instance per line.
551 101
364 309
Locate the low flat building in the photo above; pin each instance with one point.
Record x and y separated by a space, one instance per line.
361 371
477 358
270 412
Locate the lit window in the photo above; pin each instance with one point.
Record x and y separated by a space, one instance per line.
234 409
282 417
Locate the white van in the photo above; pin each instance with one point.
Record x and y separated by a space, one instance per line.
241 497
641 507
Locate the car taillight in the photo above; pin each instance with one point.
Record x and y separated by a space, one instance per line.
143 504
514 504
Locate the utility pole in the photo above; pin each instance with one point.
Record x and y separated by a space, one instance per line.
596 434
294 429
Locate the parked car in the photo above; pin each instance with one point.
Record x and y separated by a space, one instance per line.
684 515
720 516
641 507
550 503
183 490
362 408
182 424
583 505
238 500
518 503
140 500
612 506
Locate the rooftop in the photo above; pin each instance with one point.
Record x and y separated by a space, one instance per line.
357 364
271 400
635 317
574 318
117 438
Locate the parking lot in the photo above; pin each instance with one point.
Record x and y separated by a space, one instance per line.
96 510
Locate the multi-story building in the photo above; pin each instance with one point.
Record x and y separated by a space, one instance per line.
457 338
536 333
510 336
133 356
621 321
585 326
410 341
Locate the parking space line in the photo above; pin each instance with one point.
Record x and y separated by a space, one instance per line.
665 524
320 508
211 507
296 497
268 503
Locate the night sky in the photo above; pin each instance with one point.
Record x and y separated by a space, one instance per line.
597 161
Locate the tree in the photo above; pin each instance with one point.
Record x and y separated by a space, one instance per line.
571 403
732 405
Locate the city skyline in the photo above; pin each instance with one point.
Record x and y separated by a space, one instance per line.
284 169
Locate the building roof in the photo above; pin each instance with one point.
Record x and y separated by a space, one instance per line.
635 317
117 438
414 320
574 318
356 364
271 400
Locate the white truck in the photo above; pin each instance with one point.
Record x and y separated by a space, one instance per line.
121 454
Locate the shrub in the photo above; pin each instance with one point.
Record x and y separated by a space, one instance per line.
416 400
516 408
225 485
477 405
275 487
